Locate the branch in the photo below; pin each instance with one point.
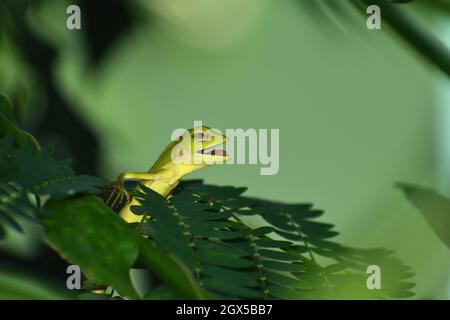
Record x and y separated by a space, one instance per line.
424 42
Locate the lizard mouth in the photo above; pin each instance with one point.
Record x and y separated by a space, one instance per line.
214 152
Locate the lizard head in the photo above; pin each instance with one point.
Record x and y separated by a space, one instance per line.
197 147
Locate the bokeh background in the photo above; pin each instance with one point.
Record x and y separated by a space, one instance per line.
358 110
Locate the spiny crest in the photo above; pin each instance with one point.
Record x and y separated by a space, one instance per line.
165 156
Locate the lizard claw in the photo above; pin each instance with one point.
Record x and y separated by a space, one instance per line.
117 194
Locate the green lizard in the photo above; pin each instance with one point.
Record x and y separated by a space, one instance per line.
190 152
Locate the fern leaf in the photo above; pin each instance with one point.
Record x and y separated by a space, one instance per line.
201 225
25 173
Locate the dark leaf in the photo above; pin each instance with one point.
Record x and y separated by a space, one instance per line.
433 206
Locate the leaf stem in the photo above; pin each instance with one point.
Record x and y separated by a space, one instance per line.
424 42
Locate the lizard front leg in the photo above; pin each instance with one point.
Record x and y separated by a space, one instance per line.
135 176
119 191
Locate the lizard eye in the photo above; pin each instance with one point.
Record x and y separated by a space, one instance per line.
201 136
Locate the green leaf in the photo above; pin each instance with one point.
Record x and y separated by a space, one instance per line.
433 206
335 267
71 185
15 285
161 292
285 293
6 108
171 271
282 266
244 278
186 230
287 281
87 233
268 243
14 204
278 255
9 127
38 173
211 192
25 172
230 289
190 226
224 260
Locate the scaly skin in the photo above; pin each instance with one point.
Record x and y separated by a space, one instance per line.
179 158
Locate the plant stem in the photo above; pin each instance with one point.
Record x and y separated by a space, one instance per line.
424 42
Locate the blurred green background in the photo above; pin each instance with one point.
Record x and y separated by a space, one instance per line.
358 110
